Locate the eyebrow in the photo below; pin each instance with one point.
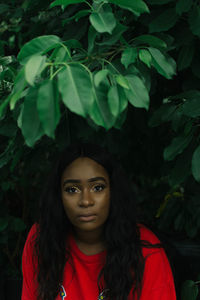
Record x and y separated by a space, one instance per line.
89 180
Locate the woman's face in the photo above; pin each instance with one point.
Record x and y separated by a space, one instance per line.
85 190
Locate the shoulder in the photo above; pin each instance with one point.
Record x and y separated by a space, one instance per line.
147 235
150 242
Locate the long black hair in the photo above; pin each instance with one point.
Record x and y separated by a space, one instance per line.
124 261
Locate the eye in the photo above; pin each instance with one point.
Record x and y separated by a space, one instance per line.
99 188
72 190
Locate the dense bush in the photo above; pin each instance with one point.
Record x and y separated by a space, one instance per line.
122 73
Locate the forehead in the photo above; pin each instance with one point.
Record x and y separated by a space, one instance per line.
84 168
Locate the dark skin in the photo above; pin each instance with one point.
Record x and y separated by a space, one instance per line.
85 190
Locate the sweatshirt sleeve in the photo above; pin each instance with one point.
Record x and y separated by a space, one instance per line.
158 282
29 287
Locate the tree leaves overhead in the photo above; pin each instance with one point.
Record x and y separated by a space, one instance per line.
75 86
37 46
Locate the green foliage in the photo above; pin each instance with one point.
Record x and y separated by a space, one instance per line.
103 71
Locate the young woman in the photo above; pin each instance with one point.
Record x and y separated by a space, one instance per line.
86 244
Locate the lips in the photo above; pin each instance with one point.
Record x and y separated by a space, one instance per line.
87 217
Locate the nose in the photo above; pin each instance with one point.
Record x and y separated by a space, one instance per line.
86 198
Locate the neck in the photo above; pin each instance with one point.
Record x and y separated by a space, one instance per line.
89 242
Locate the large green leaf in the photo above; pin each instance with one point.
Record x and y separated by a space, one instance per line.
31 125
194 20
189 290
137 94
136 6
129 56
37 46
75 86
183 6
196 164
34 67
164 64
151 40
65 2
177 146
117 100
48 106
103 21
99 111
164 21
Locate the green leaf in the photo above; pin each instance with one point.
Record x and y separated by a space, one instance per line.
185 56
129 56
196 164
122 81
164 21
65 2
151 40
194 20
37 46
117 100
3 224
99 111
145 57
136 6
34 67
189 290
103 21
75 86
183 6
31 125
164 64
178 144
137 95
48 106
100 76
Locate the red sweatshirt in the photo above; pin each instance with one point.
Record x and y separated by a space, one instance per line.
158 281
